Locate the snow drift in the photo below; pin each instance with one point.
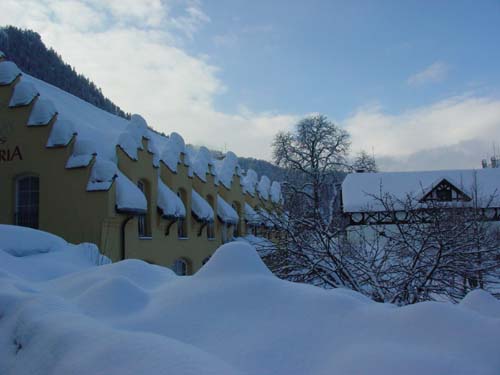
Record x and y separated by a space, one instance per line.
64 312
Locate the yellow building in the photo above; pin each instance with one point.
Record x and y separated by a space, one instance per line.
71 169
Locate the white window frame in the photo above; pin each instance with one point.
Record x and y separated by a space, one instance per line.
33 208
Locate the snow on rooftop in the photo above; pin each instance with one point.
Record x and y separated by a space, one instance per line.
201 160
226 168
359 189
42 112
275 192
226 212
61 134
24 93
250 181
263 187
169 202
129 198
201 208
8 72
102 175
174 146
251 216
62 313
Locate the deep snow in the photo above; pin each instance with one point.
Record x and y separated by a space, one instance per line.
63 310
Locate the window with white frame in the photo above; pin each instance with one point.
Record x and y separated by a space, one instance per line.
27 201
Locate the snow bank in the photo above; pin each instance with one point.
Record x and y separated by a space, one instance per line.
24 93
482 302
169 203
8 72
226 212
201 208
62 315
263 246
21 241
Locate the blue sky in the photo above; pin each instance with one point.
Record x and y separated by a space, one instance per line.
334 56
416 82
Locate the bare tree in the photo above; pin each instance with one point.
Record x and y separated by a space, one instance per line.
364 163
312 249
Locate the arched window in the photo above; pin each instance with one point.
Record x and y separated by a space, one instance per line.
211 224
27 201
180 267
144 224
182 231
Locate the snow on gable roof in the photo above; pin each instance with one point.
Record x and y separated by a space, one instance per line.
249 182
102 175
61 134
24 93
170 204
8 72
263 187
226 168
275 192
200 207
360 189
129 198
225 212
201 161
42 112
173 147
251 216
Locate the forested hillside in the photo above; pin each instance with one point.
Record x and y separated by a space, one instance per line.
27 50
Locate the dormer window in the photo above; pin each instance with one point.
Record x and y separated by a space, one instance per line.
445 191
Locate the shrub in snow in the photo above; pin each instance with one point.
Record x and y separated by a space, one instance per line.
42 112
8 72
62 132
24 93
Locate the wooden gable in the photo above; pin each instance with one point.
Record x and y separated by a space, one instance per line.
445 191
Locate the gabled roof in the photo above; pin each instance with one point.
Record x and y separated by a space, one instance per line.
359 190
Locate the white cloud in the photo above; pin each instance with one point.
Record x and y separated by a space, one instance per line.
435 72
133 51
453 133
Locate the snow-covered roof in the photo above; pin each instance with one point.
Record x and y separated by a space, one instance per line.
201 208
249 182
98 133
169 202
360 190
8 72
226 168
225 212
263 187
251 216
102 175
24 93
275 192
129 198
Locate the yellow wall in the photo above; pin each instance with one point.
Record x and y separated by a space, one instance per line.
68 210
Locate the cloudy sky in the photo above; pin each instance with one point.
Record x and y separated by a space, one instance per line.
417 83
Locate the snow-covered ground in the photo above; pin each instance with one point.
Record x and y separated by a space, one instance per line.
65 310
